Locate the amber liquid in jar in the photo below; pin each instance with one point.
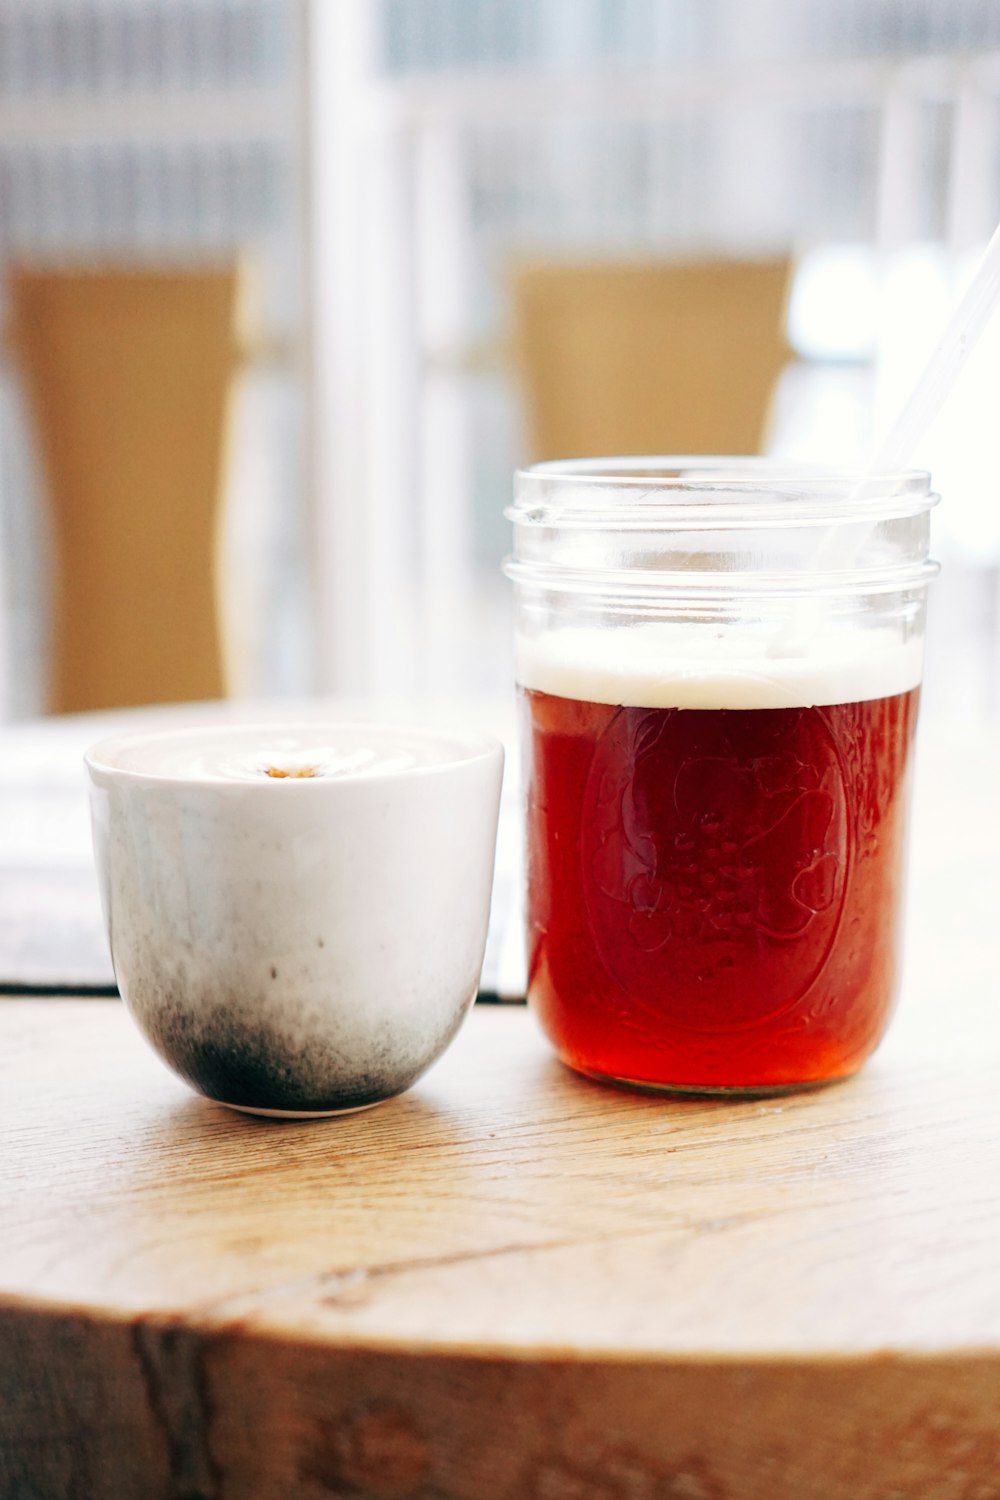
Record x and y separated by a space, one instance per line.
714 893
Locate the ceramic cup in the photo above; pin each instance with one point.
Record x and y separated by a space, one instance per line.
297 914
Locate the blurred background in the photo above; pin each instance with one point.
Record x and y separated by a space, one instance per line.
288 289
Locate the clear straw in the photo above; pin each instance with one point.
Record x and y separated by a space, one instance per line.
942 370
925 400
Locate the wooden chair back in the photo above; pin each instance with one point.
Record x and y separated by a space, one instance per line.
671 357
126 374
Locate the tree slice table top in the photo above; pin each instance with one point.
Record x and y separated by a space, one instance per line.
512 1281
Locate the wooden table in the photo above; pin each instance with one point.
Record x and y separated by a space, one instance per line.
512 1282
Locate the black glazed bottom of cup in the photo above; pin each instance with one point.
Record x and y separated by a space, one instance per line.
271 1069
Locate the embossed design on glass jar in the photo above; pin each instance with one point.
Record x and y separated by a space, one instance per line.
716 851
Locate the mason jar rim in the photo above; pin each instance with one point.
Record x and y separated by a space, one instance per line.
704 490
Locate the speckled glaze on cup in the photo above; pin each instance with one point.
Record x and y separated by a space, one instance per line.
303 945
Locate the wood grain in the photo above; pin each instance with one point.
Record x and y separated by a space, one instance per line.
508 1282
515 1283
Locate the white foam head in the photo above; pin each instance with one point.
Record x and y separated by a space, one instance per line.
657 665
279 753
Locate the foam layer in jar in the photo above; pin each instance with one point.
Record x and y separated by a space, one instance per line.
669 666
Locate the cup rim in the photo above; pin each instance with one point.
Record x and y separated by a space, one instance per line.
470 748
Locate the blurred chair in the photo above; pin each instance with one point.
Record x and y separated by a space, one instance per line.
666 357
126 375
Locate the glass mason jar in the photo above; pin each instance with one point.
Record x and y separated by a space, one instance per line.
719 664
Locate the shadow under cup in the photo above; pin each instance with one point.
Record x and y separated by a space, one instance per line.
297 914
719 665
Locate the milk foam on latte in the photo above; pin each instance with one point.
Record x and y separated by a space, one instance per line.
298 953
262 752
675 666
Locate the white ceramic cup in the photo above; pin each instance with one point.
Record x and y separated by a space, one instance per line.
298 944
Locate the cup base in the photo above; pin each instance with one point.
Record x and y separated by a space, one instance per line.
710 1091
297 1114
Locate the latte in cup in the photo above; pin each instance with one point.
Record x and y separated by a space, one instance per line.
297 914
